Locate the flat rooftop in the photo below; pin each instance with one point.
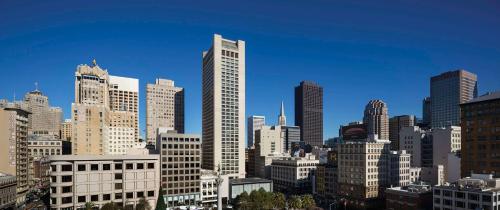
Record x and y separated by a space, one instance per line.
253 180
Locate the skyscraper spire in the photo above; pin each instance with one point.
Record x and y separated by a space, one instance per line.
282 117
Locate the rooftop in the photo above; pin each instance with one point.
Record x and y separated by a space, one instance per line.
102 157
253 180
486 97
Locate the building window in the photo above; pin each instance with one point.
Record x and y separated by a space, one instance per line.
118 186
106 167
151 193
81 199
129 195
140 194
151 165
129 166
140 166
118 166
66 168
66 178
94 167
118 176
106 197
81 167
54 168
66 200
66 189
118 195
94 198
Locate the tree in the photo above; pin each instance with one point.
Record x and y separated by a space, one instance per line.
143 204
308 202
89 206
160 202
242 201
110 206
295 202
279 200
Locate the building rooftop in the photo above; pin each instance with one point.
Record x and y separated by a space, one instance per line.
476 182
486 97
413 188
253 180
102 157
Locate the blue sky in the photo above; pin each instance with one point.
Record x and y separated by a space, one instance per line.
357 50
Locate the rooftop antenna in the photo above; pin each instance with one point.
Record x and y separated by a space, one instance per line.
36 86
14 95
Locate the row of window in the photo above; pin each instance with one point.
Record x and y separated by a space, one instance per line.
104 167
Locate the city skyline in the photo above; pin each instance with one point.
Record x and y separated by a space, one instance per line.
55 76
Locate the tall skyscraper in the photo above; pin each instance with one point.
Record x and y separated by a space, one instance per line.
90 111
426 111
44 119
480 135
165 108
124 97
309 112
282 117
395 125
376 119
254 123
223 112
448 91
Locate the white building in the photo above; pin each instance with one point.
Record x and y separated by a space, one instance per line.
254 123
294 174
410 139
223 116
100 179
41 146
208 188
447 141
480 191
124 97
432 175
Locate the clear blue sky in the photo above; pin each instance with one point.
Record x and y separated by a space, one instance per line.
357 50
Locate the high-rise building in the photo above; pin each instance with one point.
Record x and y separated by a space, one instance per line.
90 111
124 97
448 91
290 136
122 132
309 112
44 119
480 135
426 111
376 119
14 157
181 165
282 117
254 123
223 112
66 130
164 109
395 125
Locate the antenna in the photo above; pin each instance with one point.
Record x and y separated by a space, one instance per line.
36 86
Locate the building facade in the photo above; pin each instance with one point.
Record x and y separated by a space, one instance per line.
223 112
100 179
7 191
254 123
446 142
426 111
294 174
122 133
42 146
208 188
238 186
411 197
180 168
395 125
124 97
66 130
290 136
309 112
448 91
44 119
480 149
164 108
376 119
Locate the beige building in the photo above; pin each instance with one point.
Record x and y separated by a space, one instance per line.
446 142
294 174
44 120
14 157
42 146
164 108
268 146
395 125
223 113
376 118
66 130
100 179
7 191
208 188
124 97
122 132
181 165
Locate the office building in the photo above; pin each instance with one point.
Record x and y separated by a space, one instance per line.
164 108
432 175
294 174
208 188
353 131
180 168
100 179
66 130
254 123
223 111
326 178
480 149
42 146
376 119
395 125
418 143
290 136
44 119
446 141
411 197
14 157
7 191
122 134
309 112
426 111
479 191
448 91
124 97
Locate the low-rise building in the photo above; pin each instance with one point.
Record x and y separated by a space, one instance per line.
411 197
432 175
7 191
42 146
238 186
294 174
480 191
100 179
208 188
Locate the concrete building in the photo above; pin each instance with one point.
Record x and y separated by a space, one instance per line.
326 178
42 146
431 175
268 146
294 174
448 91
7 191
122 134
411 140
223 112
124 98
14 157
180 168
164 108
254 123
290 136
411 197
44 119
479 191
309 112
208 189
90 111
376 119
395 125
238 186
480 149
100 179
66 130
446 141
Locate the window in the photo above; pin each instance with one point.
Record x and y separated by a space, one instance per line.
118 166
53 179
106 167
54 168
66 168
53 190
94 198
140 166
66 178
66 189
106 197
118 186
151 193
118 176
94 167
129 166
81 199
81 167
140 194
151 165
118 196
129 195
66 200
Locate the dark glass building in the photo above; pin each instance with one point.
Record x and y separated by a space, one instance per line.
309 112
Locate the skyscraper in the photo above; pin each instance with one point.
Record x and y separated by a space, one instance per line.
426 111
309 112
254 123
223 112
124 97
44 119
282 117
165 108
376 119
448 91
395 125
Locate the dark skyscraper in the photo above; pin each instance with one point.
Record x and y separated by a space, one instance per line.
426 111
309 112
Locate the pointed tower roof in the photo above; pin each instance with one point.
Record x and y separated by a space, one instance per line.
282 110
